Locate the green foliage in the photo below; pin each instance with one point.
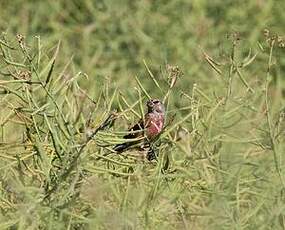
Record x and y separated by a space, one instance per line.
80 76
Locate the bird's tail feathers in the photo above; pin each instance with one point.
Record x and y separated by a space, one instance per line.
121 147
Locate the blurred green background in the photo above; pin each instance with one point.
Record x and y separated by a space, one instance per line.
112 38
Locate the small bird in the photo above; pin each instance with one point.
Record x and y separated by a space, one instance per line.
147 128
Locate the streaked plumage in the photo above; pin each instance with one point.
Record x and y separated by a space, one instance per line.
150 127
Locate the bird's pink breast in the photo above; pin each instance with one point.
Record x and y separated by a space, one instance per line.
154 125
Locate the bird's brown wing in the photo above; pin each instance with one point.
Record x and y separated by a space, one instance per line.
134 131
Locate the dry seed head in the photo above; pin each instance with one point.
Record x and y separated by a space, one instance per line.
273 39
234 37
20 39
25 75
280 41
266 33
174 73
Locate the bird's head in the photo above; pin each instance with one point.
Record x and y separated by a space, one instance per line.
155 105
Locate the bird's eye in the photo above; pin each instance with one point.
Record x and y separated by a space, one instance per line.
155 101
